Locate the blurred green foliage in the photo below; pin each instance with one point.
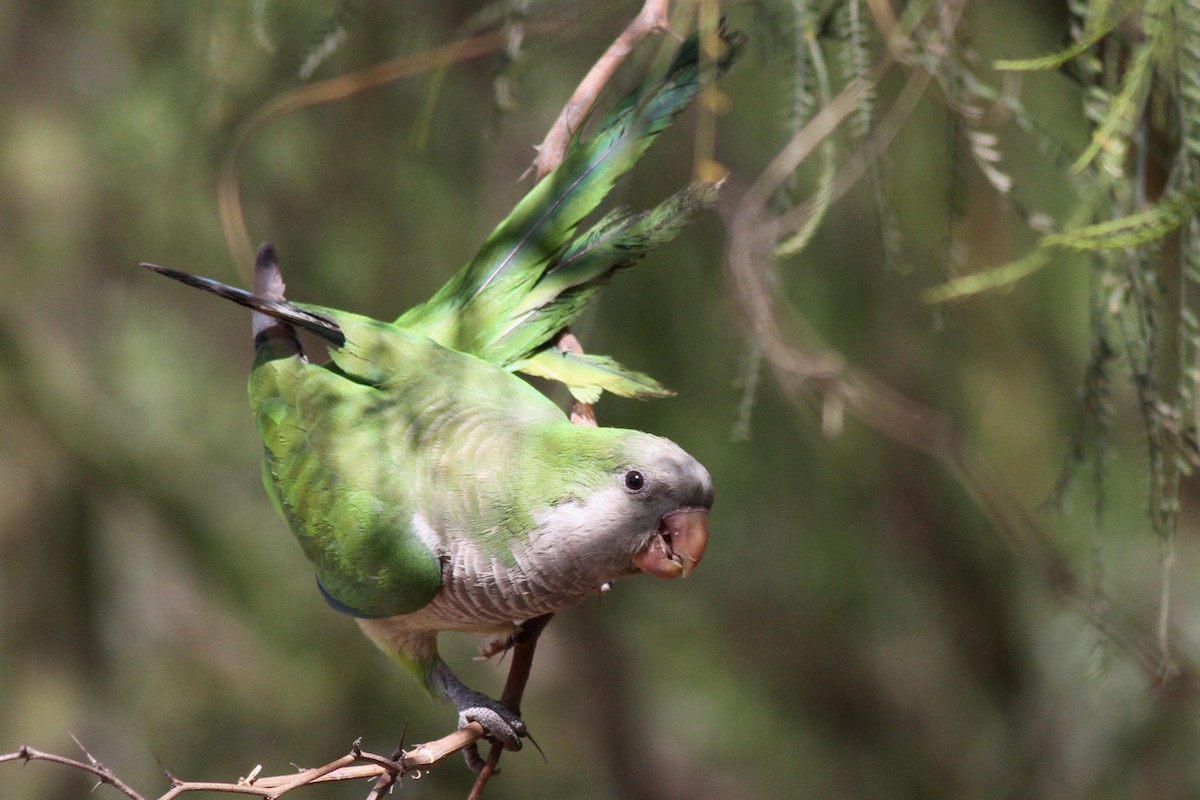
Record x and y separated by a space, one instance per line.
858 629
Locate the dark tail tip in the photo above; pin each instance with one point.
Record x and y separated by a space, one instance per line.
268 280
268 285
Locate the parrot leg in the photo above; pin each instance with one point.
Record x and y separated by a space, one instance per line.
524 633
500 723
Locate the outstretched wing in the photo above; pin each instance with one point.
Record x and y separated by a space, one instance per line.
533 276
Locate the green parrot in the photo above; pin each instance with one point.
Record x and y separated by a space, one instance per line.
431 488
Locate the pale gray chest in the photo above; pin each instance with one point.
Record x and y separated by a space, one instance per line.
565 559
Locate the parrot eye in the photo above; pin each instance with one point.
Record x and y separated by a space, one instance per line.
634 480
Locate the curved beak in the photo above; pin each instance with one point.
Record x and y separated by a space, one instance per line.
678 545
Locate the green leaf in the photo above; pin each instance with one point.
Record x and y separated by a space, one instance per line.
1056 60
989 279
1133 230
1126 107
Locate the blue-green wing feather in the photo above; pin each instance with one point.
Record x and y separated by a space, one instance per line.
503 306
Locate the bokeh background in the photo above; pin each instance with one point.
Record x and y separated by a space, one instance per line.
859 628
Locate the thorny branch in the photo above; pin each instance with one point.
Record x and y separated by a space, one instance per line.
651 19
357 764
524 643
93 766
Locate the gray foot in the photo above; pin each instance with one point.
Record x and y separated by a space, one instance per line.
501 724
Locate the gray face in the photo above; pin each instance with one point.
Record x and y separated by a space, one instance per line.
649 515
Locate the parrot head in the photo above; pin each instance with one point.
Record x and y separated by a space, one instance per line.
647 512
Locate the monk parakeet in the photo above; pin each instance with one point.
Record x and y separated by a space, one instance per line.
431 488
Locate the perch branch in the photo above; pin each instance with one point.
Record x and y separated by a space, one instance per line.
525 640
651 19
524 644
355 765
581 413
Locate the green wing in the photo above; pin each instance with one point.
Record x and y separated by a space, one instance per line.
323 468
533 276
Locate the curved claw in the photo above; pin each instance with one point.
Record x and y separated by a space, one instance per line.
501 725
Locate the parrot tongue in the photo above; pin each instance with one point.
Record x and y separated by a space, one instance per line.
678 545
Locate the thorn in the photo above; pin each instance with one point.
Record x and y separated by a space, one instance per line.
537 747
170 778
398 755
95 762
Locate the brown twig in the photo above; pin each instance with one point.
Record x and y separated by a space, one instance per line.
93 767
651 19
581 413
229 203
355 765
524 645
525 640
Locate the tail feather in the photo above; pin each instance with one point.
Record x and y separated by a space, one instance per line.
274 316
268 285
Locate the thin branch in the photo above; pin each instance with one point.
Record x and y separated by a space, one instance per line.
581 413
355 765
524 645
229 203
102 773
524 642
651 19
